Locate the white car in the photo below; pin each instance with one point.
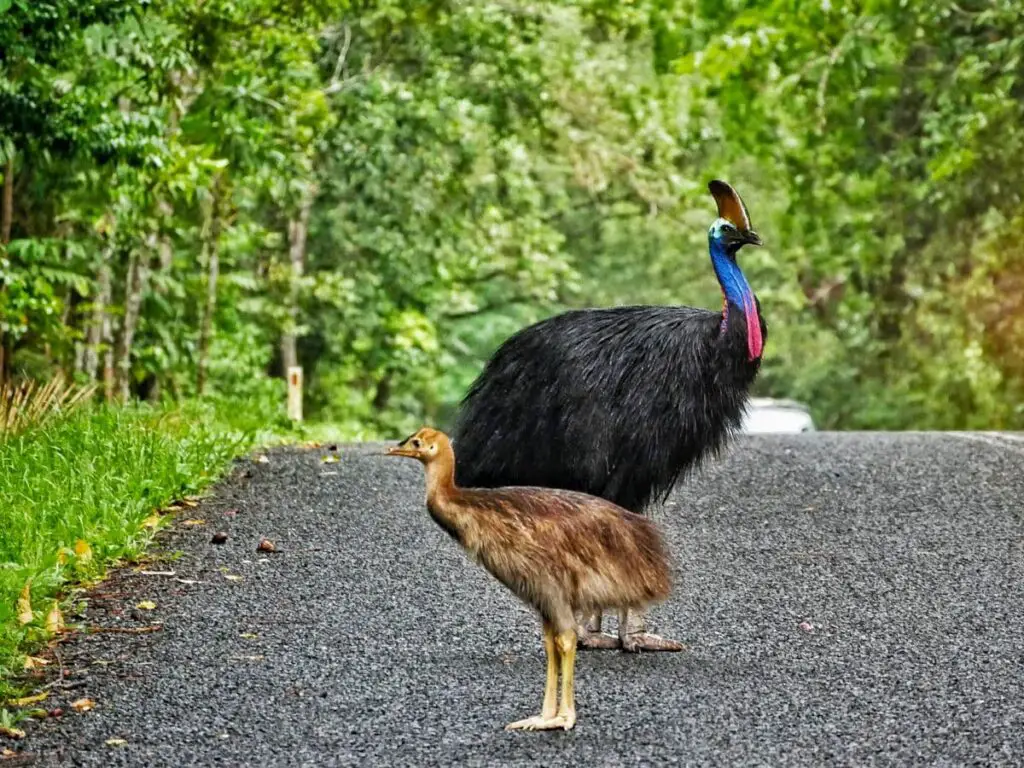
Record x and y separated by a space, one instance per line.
766 415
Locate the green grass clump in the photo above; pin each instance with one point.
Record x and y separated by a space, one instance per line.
94 477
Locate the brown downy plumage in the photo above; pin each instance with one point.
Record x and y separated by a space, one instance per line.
559 551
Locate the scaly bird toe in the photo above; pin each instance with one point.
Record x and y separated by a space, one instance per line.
644 641
538 723
597 641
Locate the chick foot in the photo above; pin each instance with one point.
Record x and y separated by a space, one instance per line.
540 723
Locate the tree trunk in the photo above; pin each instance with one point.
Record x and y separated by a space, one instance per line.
211 245
165 257
134 284
298 228
7 209
100 320
6 218
107 335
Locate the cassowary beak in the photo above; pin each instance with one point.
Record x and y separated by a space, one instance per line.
750 237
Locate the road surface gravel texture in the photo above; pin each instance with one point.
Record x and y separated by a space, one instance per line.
848 599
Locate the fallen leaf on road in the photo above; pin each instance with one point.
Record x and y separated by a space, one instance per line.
146 605
188 582
330 459
24 701
83 705
158 573
194 521
806 626
83 551
25 604
232 577
261 459
266 545
231 513
55 619
249 635
5 753
12 733
34 662
115 742
220 537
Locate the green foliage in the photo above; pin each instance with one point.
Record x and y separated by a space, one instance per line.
96 476
390 190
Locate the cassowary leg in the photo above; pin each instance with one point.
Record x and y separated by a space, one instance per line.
634 636
547 719
590 635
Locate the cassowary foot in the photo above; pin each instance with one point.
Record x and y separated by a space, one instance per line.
596 641
540 723
645 641
589 636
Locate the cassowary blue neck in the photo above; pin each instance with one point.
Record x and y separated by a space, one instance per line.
737 294
730 277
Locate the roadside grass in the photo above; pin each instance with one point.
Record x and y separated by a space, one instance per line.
78 494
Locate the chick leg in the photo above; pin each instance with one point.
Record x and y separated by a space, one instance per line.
550 706
634 636
590 634
566 642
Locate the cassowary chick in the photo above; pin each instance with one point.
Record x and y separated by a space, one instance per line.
560 552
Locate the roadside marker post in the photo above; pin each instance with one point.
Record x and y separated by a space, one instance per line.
295 393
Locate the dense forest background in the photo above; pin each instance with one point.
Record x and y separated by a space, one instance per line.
198 193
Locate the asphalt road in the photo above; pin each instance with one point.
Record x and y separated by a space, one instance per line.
847 599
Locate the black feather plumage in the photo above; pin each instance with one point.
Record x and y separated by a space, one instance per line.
618 403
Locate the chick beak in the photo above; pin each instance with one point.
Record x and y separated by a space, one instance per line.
398 450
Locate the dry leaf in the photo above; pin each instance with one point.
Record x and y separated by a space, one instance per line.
83 551
5 752
232 577
54 619
266 545
115 742
190 502
220 537
261 459
146 605
25 701
12 733
806 626
83 705
25 604
34 662
330 459
249 635
152 521
194 521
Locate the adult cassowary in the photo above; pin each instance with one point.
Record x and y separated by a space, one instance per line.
619 403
